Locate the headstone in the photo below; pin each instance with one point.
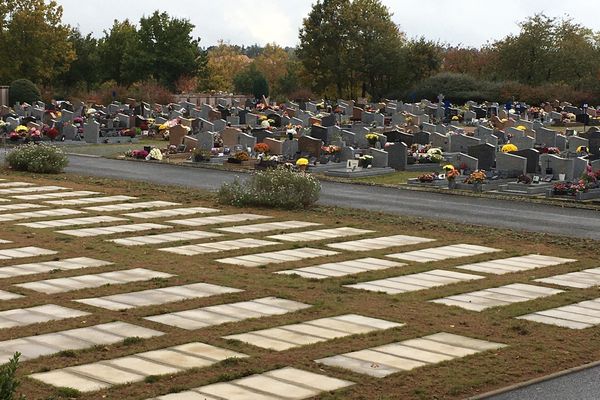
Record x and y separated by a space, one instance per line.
558 164
219 125
579 167
328 120
440 141
233 120
486 155
594 144
290 148
276 146
230 137
348 137
533 159
461 143
206 140
247 141
319 132
380 158
462 159
523 142
422 138
190 143
510 165
397 156
574 142
66 116
176 135
251 120
427 127
310 145
469 116
91 132
545 137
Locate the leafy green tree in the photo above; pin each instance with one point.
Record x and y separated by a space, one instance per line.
33 40
84 72
117 51
251 81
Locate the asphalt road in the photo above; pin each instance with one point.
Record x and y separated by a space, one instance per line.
582 385
479 211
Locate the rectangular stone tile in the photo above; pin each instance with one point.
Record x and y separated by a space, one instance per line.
47 266
321 234
60 285
215 247
379 243
134 368
409 354
495 297
39 314
4 295
157 296
24 252
414 282
73 339
15 184
172 212
90 200
283 338
266 227
219 219
59 195
32 189
164 238
131 206
215 315
343 268
581 279
111 230
515 264
581 315
2 241
60 212
285 383
56 223
442 253
20 206
276 257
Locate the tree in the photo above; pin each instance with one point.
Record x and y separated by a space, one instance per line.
273 63
224 63
84 71
251 81
34 40
420 59
117 52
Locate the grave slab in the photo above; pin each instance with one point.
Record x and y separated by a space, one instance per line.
38 314
57 223
48 266
576 316
216 247
112 230
343 268
172 212
321 234
379 243
90 200
266 227
276 257
581 279
164 238
24 252
443 253
60 212
221 219
131 206
515 264
59 195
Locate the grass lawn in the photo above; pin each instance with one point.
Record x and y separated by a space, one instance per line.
533 349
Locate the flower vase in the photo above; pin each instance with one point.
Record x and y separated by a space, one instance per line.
452 184
478 187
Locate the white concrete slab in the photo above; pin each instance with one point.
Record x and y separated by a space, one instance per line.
150 297
344 268
24 252
48 266
57 223
581 279
59 195
38 314
91 200
515 264
443 253
321 234
415 282
216 247
385 360
267 227
496 297
277 257
575 316
164 238
112 230
216 315
136 367
131 206
20 206
220 219
379 243
60 212
289 336
61 285
172 212
32 189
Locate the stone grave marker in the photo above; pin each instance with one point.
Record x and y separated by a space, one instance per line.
251 120
573 142
91 131
561 142
461 143
348 137
510 165
485 153
276 146
206 140
247 141
219 125
310 145
232 120
190 143
230 137
545 137
380 158
533 159
397 156
176 135
579 166
594 144
422 138
319 132
66 116
440 141
558 164
523 142
290 148
328 120
427 127
459 159
70 132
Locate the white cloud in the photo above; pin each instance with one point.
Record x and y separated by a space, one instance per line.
467 22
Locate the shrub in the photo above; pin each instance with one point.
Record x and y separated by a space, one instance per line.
23 91
39 158
458 88
8 381
277 188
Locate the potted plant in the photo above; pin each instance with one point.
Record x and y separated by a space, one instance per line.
262 148
427 178
302 164
451 176
372 138
201 155
239 157
477 178
365 161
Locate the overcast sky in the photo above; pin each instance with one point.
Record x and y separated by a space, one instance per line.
466 22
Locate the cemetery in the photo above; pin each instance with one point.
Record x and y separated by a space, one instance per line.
111 290
476 147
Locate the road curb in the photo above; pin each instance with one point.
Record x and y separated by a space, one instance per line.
534 381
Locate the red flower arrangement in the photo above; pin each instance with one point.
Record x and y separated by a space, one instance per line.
52 133
262 148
